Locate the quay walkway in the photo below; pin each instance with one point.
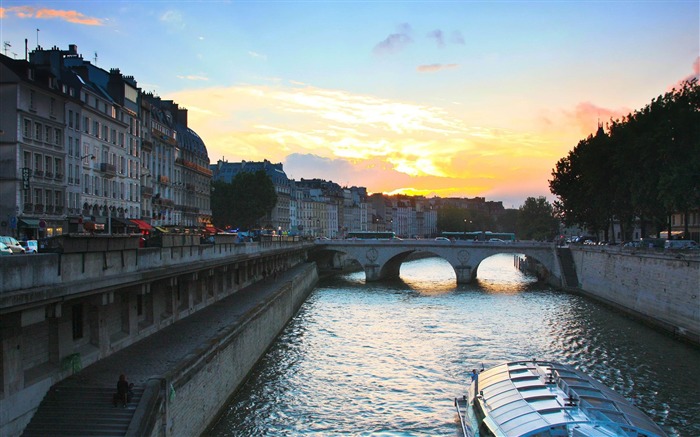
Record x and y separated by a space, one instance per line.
156 356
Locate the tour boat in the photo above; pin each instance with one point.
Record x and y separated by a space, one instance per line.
541 398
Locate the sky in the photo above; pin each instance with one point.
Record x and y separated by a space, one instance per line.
437 98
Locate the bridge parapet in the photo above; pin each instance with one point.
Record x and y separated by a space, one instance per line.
33 277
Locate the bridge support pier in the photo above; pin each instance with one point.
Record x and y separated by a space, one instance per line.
465 274
372 272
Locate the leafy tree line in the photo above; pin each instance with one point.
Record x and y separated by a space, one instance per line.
645 168
244 201
534 220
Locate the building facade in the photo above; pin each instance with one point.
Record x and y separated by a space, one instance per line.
80 151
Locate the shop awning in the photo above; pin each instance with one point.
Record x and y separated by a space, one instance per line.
142 225
29 223
120 222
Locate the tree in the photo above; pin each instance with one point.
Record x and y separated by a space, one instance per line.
536 220
243 202
453 219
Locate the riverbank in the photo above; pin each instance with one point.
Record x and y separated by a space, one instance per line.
189 369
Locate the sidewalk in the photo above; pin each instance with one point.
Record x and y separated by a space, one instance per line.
164 350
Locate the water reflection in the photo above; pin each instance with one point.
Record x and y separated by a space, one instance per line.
387 358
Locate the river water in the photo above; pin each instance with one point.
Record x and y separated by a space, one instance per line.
387 359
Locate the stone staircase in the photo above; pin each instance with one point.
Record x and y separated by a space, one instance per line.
77 410
568 268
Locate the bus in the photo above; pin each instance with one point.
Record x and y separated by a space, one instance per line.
368 235
480 236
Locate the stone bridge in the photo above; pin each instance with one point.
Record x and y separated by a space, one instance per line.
381 259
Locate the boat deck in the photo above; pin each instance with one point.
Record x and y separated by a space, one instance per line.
526 398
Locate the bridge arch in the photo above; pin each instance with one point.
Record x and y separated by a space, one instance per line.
382 259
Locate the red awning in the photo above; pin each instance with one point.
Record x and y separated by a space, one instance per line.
142 225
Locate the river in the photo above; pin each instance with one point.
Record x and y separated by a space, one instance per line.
388 358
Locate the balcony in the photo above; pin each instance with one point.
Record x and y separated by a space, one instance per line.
58 210
28 207
39 173
109 170
59 177
39 207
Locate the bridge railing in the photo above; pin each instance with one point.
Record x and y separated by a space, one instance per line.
432 243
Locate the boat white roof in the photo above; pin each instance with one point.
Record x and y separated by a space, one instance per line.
526 398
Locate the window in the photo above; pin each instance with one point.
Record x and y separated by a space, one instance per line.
27 159
37 164
57 137
96 128
70 146
27 128
37 131
48 167
77 121
105 131
58 167
48 198
77 319
47 134
37 196
70 118
58 198
86 125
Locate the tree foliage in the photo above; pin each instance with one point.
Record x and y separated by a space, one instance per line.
646 167
244 201
536 220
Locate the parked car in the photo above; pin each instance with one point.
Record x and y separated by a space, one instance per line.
13 244
29 247
681 244
4 250
442 239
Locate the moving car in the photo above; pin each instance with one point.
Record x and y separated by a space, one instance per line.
13 244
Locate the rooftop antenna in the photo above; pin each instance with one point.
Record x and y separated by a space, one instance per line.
95 58
37 38
6 45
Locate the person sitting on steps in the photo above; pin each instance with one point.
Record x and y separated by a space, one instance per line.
124 391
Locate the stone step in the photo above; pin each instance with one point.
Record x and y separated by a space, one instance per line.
69 410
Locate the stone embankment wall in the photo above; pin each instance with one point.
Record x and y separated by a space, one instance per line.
662 287
198 389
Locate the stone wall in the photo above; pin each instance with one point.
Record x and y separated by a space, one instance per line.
199 388
660 287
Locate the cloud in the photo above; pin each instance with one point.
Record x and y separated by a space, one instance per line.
694 75
257 55
193 77
173 19
457 38
382 144
435 67
394 42
437 36
44 13
587 116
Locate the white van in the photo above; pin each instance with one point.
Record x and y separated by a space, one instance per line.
681 244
